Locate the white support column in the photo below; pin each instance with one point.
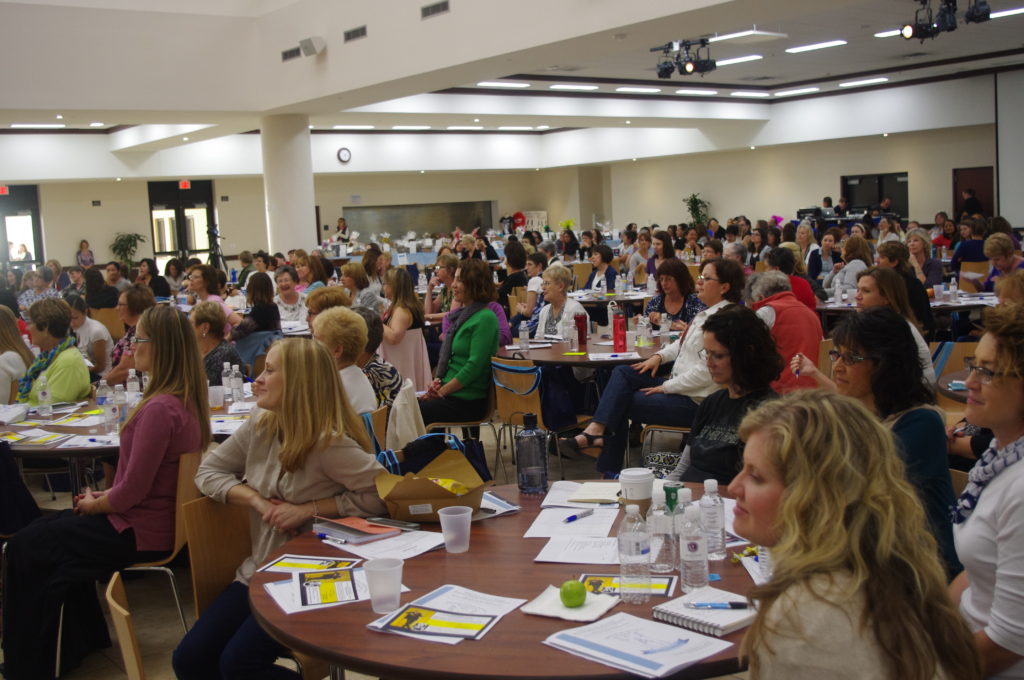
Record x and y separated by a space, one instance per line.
288 182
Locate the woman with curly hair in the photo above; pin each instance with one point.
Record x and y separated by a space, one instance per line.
856 589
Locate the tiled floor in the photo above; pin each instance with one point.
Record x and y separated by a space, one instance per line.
157 626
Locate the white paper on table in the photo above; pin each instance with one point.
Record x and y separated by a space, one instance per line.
579 550
550 522
608 490
492 505
239 407
753 568
533 345
225 425
637 645
289 327
609 356
73 421
602 343
283 593
459 600
406 545
86 442
560 492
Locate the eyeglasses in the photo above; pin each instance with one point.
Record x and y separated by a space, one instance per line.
985 375
137 339
706 278
848 359
714 356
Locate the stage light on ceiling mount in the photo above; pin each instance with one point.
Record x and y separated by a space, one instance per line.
687 62
666 66
977 12
926 25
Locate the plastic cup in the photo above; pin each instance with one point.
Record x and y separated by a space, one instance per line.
216 396
630 341
455 521
637 484
940 291
384 578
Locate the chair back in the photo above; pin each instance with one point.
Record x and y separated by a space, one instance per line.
380 425
405 423
258 365
255 344
959 478
516 390
188 465
108 317
581 271
760 266
640 275
824 363
949 356
218 542
117 600
694 271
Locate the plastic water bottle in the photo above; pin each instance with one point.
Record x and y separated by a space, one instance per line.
666 332
121 403
45 397
954 289
524 336
133 386
225 381
105 399
237 392
531 457
663 543
634 558
693 553
234 275
712 516
103 393
764 561
643 332
145 382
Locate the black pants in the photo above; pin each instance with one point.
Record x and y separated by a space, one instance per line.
454 410
57 560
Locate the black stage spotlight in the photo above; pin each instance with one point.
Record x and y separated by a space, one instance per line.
977 12
666 67
945 20
700 62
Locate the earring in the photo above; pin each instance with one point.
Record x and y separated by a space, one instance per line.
204 333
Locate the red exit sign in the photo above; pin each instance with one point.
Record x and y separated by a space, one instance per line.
4 191
184 184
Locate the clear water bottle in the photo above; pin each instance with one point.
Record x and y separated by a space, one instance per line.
111 411
45 398
693 553
120 403
237 381
643 332
524 336
145 382
764 561
663 543
712 516
103 393
531 457
225 381
954 289
634 558
133 386
652 285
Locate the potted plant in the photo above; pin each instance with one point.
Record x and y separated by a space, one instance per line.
124 247
699 209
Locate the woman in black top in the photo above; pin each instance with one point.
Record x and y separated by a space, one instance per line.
149 274
97 293
264 314
567 244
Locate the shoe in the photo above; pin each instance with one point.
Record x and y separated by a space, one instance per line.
595 443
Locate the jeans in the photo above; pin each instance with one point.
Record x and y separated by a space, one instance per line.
227 643
621 401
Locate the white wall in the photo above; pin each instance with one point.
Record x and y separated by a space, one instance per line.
67 216
1010 173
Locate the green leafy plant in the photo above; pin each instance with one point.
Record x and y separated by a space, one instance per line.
124 247
567 224
700 210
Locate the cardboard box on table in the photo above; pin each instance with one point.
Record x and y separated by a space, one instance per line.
415 498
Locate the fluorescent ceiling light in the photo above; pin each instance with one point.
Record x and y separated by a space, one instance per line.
815 46
501 83
697 93
1006 13
888 34
410 127
753 33
515 127
465 127
745 93
639 90
802 90
96 123
739 60
353 127
572 87
543 127
37 126
869 81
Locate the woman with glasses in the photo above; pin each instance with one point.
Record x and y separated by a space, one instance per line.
208 325
741 357
59 361
57 559
646 392
203 286
135 300
676 302
988 520
559 310
875 362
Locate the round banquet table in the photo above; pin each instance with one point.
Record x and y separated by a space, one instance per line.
556 354
499 562
955 395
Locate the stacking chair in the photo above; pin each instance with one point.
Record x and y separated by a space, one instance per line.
487 420
122 617
640 275
959 478
581 272
516 393
982 268
647 436
380 425
108 317
824 362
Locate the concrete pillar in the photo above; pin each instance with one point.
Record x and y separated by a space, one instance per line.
288 182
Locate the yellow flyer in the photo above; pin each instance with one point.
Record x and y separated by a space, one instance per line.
608 584
428 621
331 586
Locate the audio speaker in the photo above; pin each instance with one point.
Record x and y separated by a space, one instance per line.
311 46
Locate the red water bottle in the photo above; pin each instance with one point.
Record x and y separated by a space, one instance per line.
619 330
581 330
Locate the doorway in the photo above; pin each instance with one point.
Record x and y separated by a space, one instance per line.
182 220
981 181
20 226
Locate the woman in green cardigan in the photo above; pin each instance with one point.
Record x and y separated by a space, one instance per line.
460 392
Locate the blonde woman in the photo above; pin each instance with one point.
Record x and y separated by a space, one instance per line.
15 358
343 332
302 453
57 559
806 242
927 269
889 230
857 589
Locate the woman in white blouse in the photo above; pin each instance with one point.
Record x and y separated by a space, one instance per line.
94 339
15 358
560 309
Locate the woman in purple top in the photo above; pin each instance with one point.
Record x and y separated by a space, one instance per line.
55 561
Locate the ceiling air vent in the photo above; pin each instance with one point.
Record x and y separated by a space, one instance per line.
293 53
355 34
428 11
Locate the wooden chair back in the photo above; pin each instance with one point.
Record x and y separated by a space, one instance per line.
982 268
380 425
694 270
219 541
951 357
117 600
258 365
108 317
516 393
824 362
959 478
581 270
760 266
188 465
640 275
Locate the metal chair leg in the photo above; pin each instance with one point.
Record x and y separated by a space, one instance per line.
174 589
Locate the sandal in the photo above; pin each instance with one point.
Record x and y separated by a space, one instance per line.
592 449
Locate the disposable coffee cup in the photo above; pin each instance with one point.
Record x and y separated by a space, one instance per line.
455 522
384 579
637 485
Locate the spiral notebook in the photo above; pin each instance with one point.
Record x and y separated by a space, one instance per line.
717 622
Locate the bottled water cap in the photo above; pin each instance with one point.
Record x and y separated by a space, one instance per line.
710 486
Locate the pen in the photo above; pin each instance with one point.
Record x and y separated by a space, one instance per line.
578 515
717 605
330 540
101 441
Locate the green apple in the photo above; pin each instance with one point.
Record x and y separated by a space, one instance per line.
573 594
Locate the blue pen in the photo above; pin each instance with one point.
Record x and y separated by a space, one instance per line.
578 515
717 605
330 540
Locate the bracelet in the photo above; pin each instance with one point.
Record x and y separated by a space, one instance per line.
316 511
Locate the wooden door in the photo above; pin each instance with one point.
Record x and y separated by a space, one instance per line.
981 180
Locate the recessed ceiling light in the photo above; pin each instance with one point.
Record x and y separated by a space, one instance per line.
634 160
543 127
501 83
476 120
885 134
815 46
573 87
465 127
1006 13
628 122
38 126
352 127
60 117
184 139
410 127
802 90
869 81
118 179
888 34
310 127
422 171
745 93
639 90
753 148
96 123
739 60
697 93
514 128
536 169
753 33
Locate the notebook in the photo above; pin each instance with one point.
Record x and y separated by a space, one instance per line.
717 622
354 530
